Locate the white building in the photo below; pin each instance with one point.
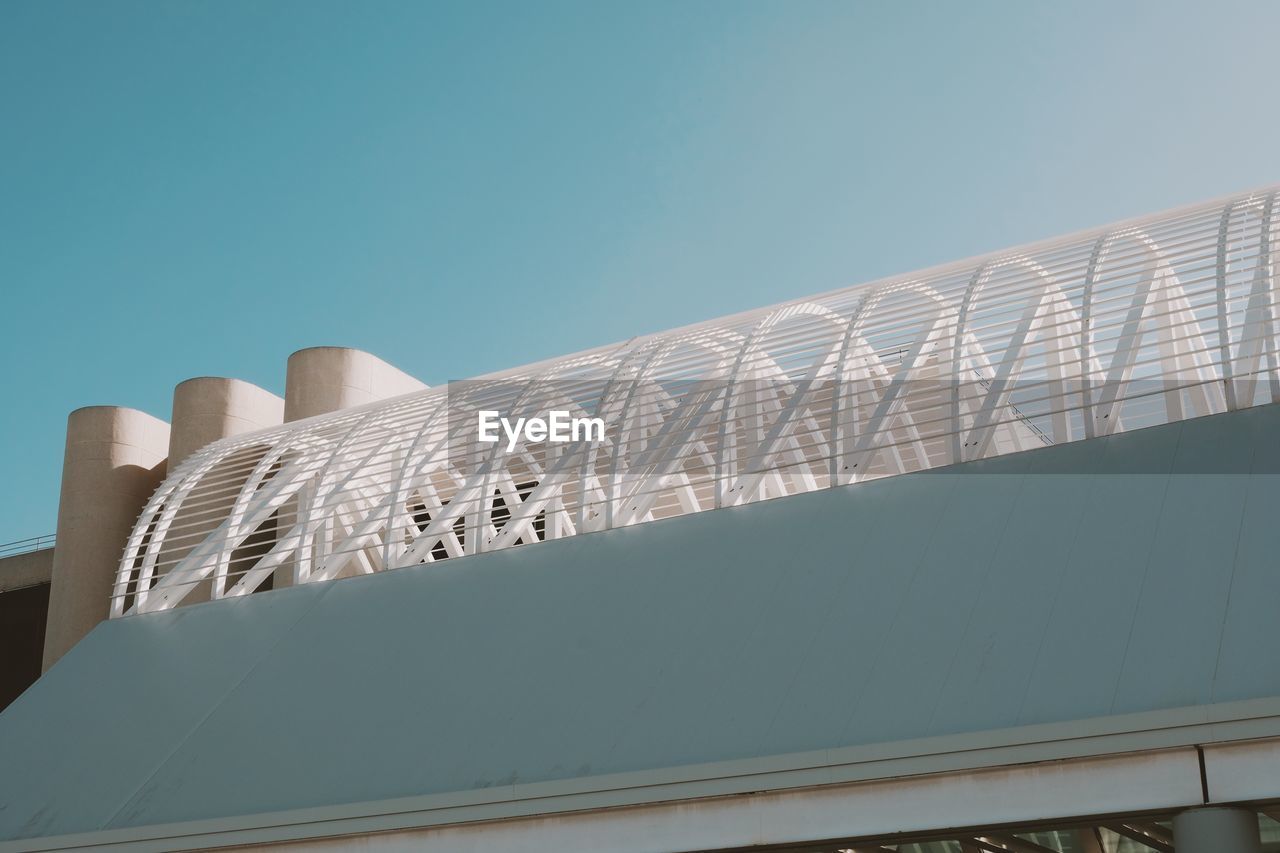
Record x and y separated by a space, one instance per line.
1017 591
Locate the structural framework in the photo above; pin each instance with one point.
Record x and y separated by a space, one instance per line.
1150 321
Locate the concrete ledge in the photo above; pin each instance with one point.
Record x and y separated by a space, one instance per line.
1057 771
23 570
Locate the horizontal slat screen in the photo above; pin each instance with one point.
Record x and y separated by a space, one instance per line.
1143 323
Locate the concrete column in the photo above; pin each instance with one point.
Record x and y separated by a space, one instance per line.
326 379
1216 829
208 408
114 460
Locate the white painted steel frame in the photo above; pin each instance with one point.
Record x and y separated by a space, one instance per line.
1150 321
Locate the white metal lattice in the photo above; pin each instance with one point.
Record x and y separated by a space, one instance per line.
1150 321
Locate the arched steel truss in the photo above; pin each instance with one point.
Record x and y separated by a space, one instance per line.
1143 323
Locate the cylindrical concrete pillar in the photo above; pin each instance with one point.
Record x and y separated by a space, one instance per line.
326 379
208 408
1216 829
114 460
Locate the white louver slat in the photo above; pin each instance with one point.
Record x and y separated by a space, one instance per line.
1154 320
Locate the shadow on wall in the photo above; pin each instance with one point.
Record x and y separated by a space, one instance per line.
22 620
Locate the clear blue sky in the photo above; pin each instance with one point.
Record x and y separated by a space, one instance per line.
201 188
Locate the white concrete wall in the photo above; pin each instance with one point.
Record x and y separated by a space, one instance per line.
326 379
114 460
208 408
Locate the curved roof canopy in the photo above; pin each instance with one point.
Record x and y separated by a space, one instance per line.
1146 322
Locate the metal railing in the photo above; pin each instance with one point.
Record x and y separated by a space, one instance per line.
23 546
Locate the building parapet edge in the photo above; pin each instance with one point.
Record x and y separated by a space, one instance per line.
23 569
1076 740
